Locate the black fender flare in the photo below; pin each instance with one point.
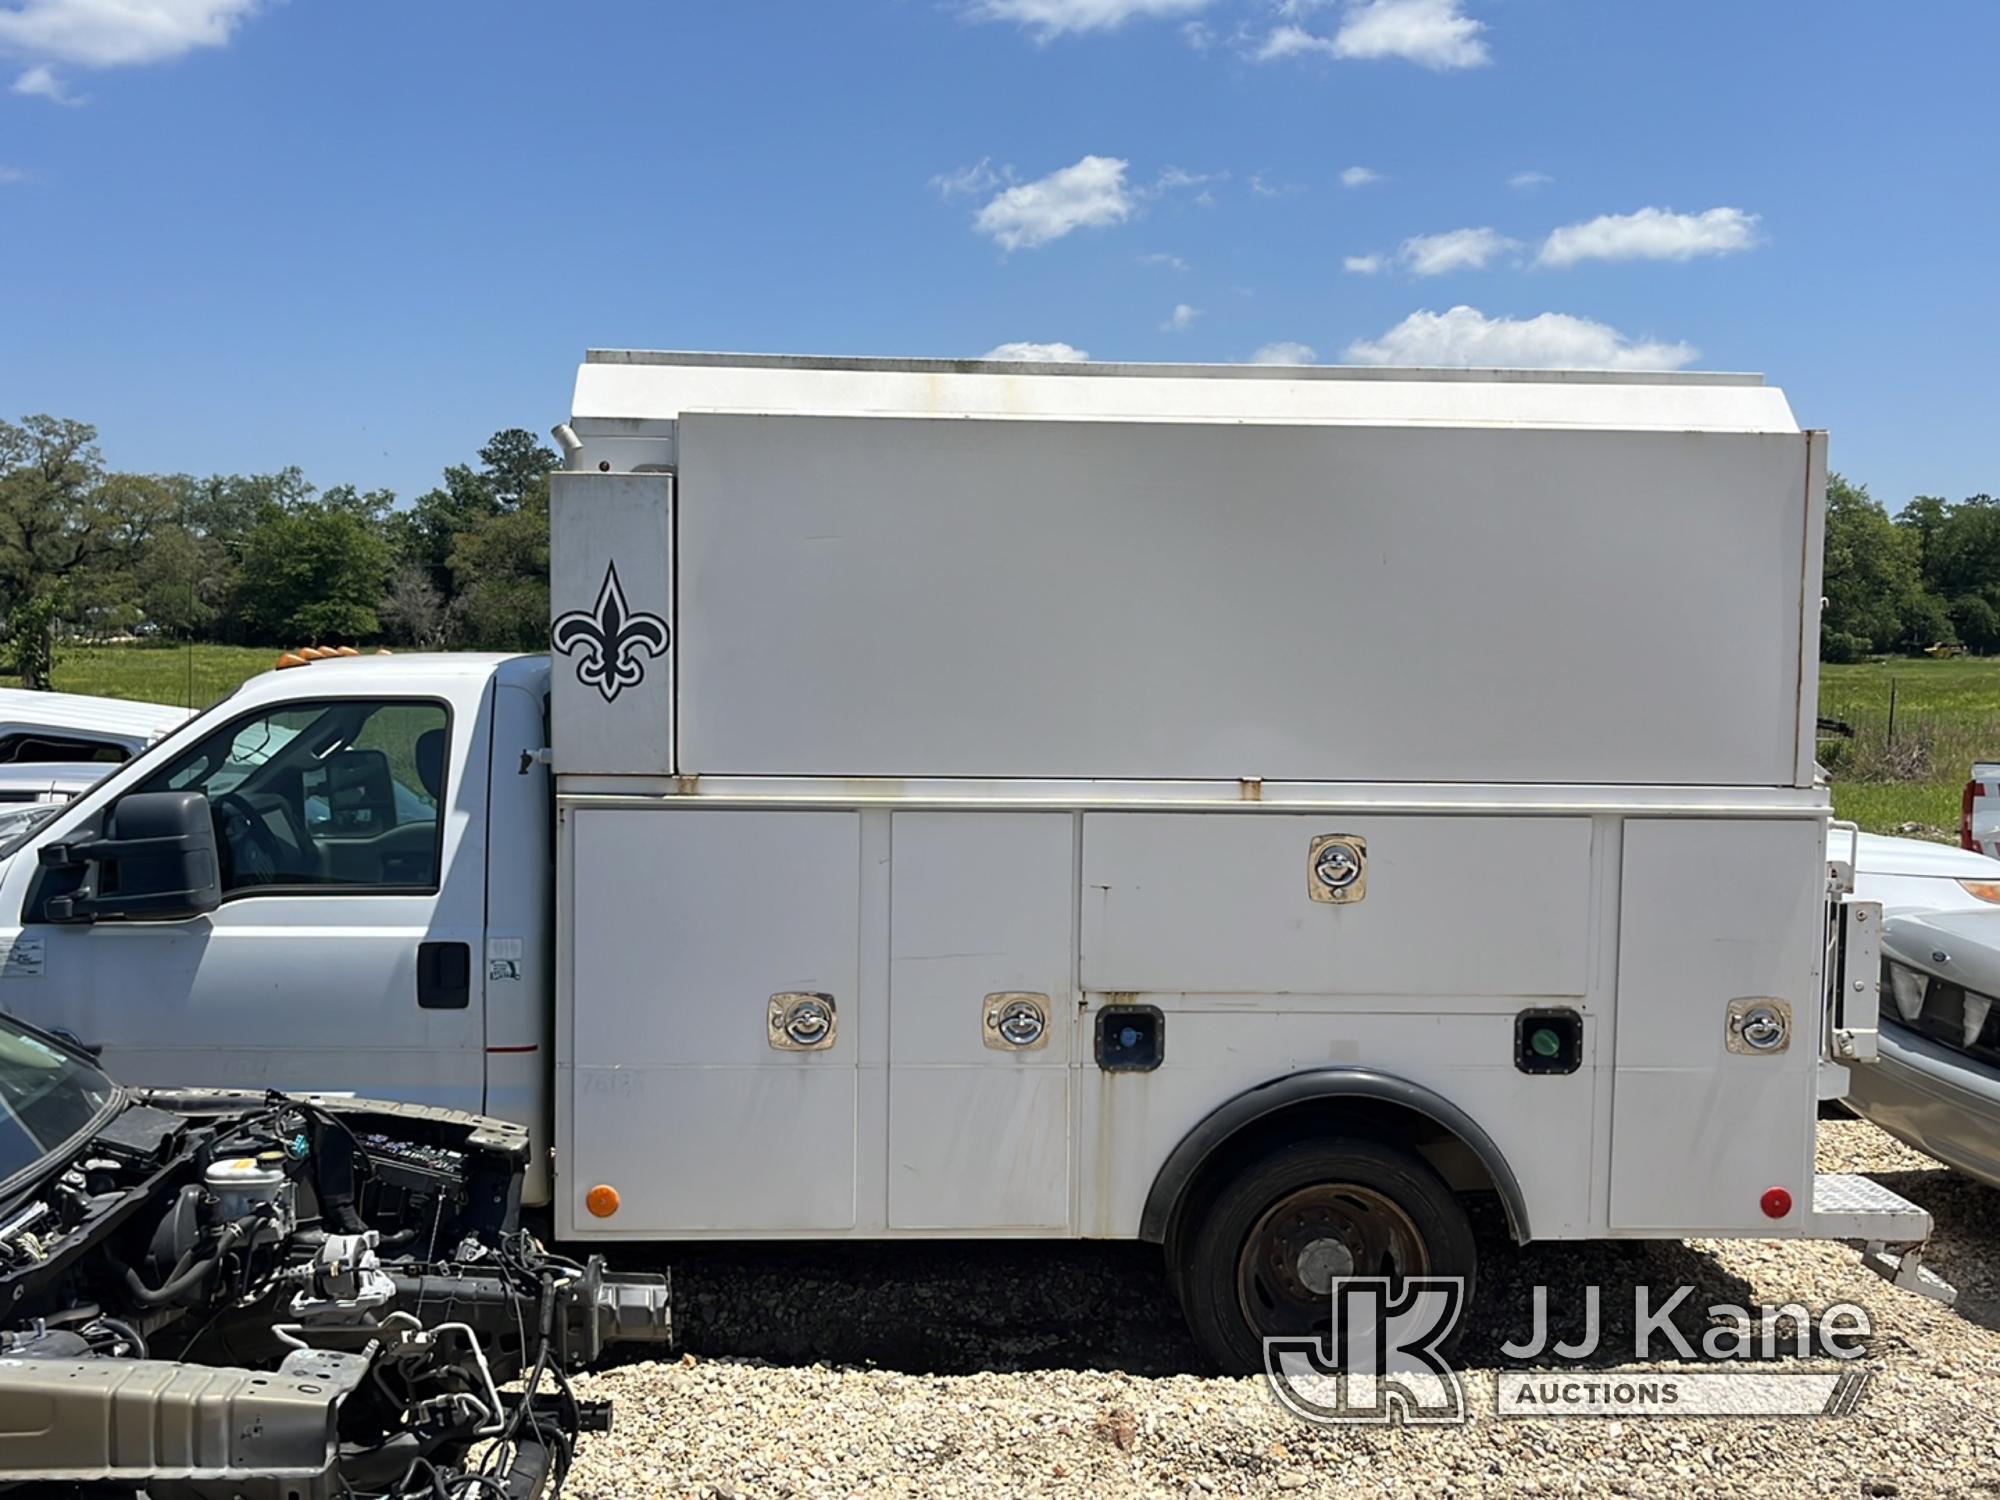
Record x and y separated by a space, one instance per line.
1199 1146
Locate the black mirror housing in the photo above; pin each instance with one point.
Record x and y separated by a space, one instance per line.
156 860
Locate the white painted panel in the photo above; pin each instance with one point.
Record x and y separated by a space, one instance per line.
1694 1149
1218 902
685 923
611 685
966 597
739 1150
1713 911
979 1148
688 921
980 903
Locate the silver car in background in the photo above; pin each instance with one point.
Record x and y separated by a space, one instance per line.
1936 1085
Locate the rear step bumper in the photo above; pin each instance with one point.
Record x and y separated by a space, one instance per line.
1891 1230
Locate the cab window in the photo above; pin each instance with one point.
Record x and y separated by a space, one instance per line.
344 794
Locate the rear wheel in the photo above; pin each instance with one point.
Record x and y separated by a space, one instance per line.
1259 1256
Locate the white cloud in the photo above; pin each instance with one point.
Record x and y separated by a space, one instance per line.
1087 195
1431 32
1466 336
1364 265
1171 178
1198 36
1529 180
1293 41
1181 319
1355 177
1161 258
1651 234
40 82
118 33
1284 353
1264 188
967 181
11 175
1454 250
1053 18
1040 354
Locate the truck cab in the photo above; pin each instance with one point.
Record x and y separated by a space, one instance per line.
381 836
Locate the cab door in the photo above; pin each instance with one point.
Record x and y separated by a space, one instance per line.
345 953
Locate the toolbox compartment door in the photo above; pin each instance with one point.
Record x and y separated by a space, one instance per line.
1715 911
685 923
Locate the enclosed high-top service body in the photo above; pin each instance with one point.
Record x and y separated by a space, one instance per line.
1242 808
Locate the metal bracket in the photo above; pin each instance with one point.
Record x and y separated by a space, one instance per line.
1907 1270
1337 868
1856 1003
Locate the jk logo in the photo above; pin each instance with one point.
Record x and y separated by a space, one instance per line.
1379 1362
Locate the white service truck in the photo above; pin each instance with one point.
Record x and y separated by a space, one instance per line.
1245 809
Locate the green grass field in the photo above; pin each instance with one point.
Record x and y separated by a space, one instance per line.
192 677
1947 716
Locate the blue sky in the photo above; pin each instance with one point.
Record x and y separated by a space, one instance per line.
360 235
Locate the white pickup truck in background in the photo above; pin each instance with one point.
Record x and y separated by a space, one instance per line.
1239 808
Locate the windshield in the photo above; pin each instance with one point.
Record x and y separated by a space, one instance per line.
47 1095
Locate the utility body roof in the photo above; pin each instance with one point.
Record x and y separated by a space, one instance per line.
625 392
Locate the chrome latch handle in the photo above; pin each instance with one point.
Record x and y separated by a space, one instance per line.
1016 1020
803 1021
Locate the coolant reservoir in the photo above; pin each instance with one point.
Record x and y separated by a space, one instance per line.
242 1183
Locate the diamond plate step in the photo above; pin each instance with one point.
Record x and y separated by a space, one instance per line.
1851 1207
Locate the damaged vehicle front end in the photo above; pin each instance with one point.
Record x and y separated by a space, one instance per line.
216 1294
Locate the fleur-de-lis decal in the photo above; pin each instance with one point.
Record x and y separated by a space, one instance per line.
607 639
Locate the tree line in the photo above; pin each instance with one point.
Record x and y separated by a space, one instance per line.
1928 576
266 559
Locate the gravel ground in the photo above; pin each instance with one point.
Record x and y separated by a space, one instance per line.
1063 1370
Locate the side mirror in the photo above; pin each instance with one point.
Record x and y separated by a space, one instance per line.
156 860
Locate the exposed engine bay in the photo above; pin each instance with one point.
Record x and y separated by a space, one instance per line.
212 1294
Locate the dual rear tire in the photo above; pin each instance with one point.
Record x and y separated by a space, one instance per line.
1257 1250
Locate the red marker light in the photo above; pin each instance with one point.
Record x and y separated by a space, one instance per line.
1776 1203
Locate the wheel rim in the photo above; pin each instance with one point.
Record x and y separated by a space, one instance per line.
1312 1237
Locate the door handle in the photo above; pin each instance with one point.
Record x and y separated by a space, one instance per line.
444 976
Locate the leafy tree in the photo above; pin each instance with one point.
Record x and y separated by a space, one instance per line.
31 638
1977 622
184 582
313 572
1872 585
504 605
51 528
517 467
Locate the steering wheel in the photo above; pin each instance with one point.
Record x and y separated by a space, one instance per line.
256 856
